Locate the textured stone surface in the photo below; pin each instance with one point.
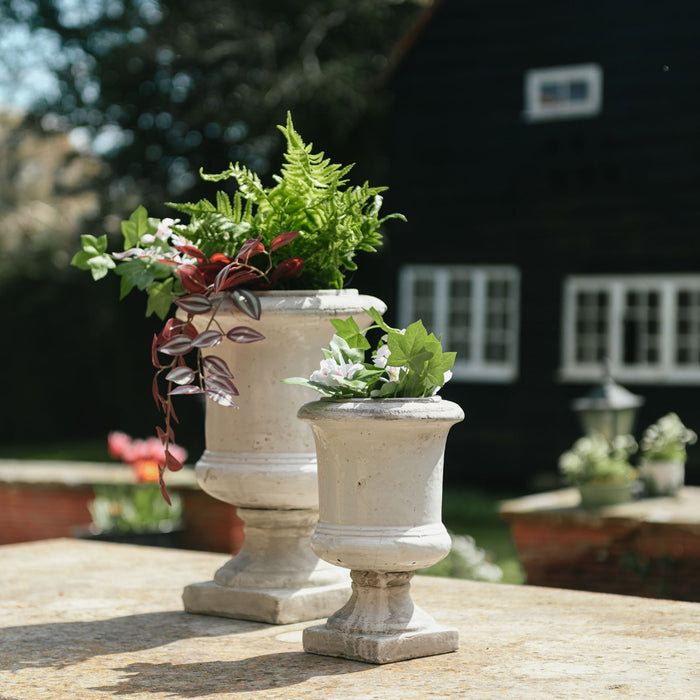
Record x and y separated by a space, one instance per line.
84 620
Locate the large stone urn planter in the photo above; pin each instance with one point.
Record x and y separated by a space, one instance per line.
380 465
261 459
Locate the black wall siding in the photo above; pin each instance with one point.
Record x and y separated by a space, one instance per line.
614 194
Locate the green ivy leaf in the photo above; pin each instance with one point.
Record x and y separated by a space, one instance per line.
377 318
135 227
94 256
349 331
160 298
410 349
140 272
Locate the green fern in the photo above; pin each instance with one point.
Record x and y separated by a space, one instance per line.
310 196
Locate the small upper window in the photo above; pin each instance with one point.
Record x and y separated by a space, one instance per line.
564 92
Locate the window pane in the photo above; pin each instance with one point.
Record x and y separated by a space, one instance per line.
423 300
578 90
460 320
688 328
552 92
641 329
499 319
591 326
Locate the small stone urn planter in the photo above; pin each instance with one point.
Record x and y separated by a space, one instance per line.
664 454
380 465
662 477
261 459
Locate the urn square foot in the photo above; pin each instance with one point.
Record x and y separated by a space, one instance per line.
275 606
380 648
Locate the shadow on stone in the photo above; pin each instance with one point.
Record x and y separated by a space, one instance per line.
216 678
65 643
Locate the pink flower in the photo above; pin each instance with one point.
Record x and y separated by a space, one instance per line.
117 444
121 446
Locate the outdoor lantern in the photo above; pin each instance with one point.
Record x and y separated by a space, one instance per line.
608 409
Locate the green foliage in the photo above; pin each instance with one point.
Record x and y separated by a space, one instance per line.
144 272
94 256
134 508
407 363
595 459
205 80
666 440
311 198
311 195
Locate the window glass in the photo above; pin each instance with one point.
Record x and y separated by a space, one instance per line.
647 327
563 92
474 309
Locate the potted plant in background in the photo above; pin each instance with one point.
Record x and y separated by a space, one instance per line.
277 256
136 513
601 469
380 434
663 455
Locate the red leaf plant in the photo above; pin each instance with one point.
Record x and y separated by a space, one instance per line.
209 283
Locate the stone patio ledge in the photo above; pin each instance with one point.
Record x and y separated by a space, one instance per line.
71 473
90 620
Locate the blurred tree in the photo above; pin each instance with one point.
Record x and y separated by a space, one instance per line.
155 90
164 88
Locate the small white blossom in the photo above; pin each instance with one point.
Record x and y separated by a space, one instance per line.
380 356
164 231
331 372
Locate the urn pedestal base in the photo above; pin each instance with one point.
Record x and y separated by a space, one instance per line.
275 606
380 624
276 577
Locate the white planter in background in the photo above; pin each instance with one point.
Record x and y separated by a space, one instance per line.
380 464
662 478
261 459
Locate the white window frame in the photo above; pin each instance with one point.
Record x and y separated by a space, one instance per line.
477 368
537 109
666 370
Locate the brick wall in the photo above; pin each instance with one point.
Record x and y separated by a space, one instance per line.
609 555
44 511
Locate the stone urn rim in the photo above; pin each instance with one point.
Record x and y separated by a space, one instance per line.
389 408
312 301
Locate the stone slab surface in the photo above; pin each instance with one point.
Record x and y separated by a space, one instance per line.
86 620
564 504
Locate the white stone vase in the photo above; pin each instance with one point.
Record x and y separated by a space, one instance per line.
380 465
662 477
602 494
261 459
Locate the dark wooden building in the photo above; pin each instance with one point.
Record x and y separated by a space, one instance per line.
547 157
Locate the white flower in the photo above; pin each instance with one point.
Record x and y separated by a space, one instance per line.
379 360
331 372
380 356
164 232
